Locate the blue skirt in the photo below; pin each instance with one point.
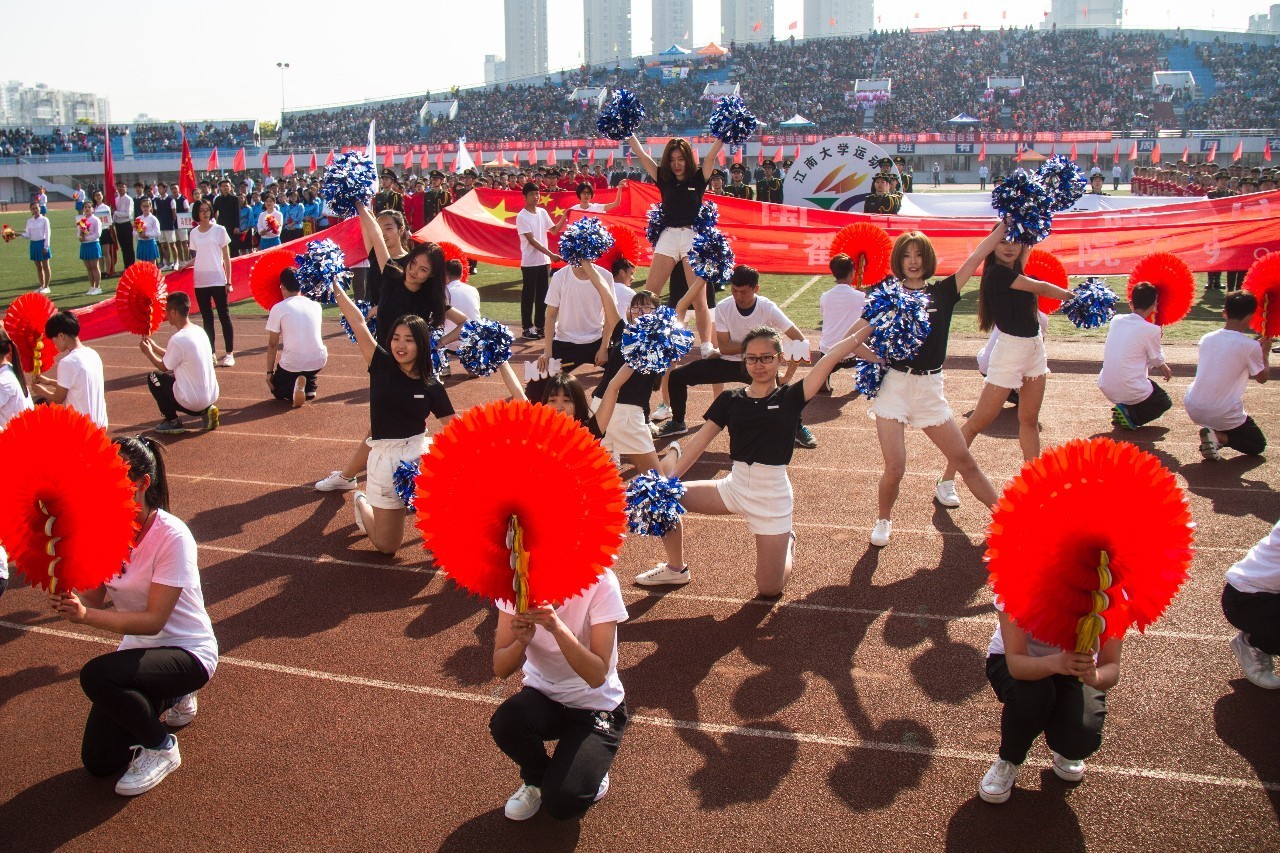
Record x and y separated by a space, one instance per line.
40 250
268 242
148 250
90 251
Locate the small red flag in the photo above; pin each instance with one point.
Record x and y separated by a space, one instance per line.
314 164
551 157
408 160
1115 155
266 163
1266 150
575 156
1133 151
1213 151
1155 153
1239 152
424 162
720 158
1186 154
982 153
389 160
797 154
440 160
737 156
609 163
533 156
777 156
331 159
1053 149
759 26
1074 154
628 158
591 157
108 169
237 163
212 165
289 167
832 22
1018 159
794 25
1095 152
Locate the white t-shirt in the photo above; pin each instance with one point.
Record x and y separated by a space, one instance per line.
591 208
297 321
264 227
581 313
190 357
167 555
466 299
536 223
80 372
841 308
1216 396
207 246
1132 347
12 401
623 294
764 313
545 667
1035 648
1259 570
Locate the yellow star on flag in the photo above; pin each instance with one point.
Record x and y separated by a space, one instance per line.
501 212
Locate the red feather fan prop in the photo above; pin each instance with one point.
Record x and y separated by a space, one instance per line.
66 526
572 524
626 244
24 323
453 252
870 248
1263 281
264 278
1045 266
1174 282
1078 507
140 298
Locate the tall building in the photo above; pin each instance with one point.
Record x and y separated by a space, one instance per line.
495 69
746 21
39 105
1077 14
672 24
606 31
526 38
823 18
1265 23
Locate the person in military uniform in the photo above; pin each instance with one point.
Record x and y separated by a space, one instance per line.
1095 184
716 186
436 197
908 178
881 199
1219 191
387 198
769 188
738 188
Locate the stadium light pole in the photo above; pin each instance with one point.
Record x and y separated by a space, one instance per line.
283 66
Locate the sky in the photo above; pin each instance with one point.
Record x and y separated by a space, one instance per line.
412 51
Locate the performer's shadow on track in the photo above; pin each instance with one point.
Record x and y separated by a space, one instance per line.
41 818
1245 721
1031 820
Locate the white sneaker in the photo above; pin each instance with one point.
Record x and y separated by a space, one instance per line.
1066 769
603 789
663 575
148 769
662 413
228 360
335 482
709 350
1258 666
355 504
881 532
44 289
299 392
945 492
182 712
93 291
998 782
1209 445
524 803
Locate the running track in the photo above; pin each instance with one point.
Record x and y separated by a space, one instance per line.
351 705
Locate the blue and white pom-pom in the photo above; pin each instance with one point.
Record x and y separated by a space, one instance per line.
657 222
732 123
439 355
584 240
370 322
404 478
707 217
867 376
1092 305
620 117
712 257
899 318
323 265
1023 201
350 179
655 341
484 346
653 504
1064 180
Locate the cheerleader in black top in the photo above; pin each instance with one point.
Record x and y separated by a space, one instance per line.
682 184
762 420
1007 301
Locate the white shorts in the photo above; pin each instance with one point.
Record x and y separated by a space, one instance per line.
183 235
674 242
168 236
761 494
628 433
911 399
385 456
1015 359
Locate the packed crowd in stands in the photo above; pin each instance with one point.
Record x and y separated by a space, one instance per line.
397 122
1246 95
166 137
23 142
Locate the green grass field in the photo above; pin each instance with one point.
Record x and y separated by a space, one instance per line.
500 289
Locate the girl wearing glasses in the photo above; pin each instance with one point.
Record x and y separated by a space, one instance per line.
762 420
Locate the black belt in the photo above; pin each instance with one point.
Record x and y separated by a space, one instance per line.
902 368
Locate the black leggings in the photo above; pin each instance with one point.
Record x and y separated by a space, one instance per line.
588 743
207 298
129 690
1156 404
707 371
1255 613
1246 438
1068 712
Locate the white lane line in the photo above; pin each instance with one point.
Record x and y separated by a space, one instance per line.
793 297
1154 774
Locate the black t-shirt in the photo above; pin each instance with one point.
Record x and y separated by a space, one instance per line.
397 300
637 390
944 295
681 200
1012 311
226 212
761 430
398 403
